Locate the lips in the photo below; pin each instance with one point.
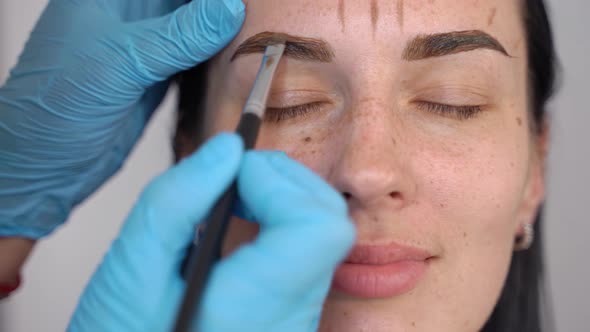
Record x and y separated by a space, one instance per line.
372 271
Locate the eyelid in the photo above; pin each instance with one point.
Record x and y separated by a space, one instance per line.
279 114
457 94
292 98
459 112
297 92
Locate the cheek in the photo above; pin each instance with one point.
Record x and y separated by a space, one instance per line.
309 145
472 192
480 183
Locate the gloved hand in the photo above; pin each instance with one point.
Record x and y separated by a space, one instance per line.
277 283
90 76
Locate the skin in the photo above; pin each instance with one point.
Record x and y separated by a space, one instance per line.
13 253
459 188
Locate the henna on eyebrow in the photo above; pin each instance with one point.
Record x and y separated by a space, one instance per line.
300 48
436 45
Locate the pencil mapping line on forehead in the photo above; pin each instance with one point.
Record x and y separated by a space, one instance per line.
420 47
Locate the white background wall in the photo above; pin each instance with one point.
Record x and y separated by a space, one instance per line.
61 265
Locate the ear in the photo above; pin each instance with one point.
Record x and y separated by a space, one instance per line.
534 193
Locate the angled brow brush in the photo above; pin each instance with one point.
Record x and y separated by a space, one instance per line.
206 249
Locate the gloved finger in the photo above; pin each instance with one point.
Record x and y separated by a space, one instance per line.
240 209
312 182
144 261
190 35
175 202
305 233
130 10
304 221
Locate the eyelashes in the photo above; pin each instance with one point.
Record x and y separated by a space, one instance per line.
277 115
459 112
462 112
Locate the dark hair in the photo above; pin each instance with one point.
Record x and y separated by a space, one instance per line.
523 300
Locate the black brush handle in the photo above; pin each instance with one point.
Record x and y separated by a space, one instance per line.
205 252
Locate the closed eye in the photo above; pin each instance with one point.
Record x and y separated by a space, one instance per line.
462 112
276 115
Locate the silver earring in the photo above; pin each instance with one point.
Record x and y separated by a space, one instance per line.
524 241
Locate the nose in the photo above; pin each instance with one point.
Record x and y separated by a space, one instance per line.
372 168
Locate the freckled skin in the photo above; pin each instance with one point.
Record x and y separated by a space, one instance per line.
457 188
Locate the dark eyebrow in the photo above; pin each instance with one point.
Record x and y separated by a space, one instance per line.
436 45
301 48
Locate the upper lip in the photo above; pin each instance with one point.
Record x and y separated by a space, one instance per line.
385 254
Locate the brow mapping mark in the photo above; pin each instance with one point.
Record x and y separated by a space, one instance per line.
341 14
400 13
374 15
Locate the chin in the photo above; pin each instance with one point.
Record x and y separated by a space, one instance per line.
360 316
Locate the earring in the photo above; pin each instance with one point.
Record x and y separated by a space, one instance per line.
524 241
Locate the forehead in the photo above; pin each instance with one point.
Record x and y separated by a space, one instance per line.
361 24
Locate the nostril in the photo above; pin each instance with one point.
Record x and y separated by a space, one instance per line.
347 196
395 195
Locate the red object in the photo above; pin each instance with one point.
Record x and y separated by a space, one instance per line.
6 289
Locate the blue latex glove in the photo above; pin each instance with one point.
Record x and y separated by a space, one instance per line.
277 283
89 79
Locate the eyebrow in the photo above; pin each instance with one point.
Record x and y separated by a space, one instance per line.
421 47
441 44
301 48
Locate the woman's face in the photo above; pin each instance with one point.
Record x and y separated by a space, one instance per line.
425 132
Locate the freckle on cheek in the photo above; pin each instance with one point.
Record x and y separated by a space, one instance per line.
519 121
307 139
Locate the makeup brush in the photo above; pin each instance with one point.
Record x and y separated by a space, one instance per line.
206 249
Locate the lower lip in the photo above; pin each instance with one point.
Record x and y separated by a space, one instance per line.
378 281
